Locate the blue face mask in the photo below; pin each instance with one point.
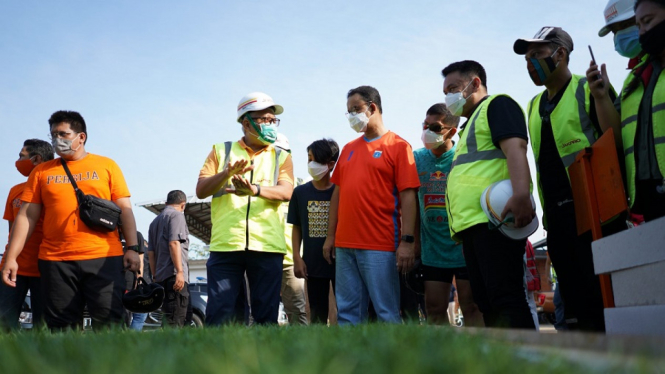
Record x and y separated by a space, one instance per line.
627 42
267 134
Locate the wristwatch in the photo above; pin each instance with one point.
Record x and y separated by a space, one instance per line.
408 238
134 248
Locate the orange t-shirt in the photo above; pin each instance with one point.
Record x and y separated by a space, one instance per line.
370 174
66 238
27 260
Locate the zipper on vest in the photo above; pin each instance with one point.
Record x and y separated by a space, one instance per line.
249 204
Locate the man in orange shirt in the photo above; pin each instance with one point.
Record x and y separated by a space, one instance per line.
372 214
78 265
33 153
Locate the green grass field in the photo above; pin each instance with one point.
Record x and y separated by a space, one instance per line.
372 348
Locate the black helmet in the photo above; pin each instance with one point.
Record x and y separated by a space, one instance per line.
144 298
415 278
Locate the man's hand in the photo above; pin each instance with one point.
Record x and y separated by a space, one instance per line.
179 281
299 268
329 249
405 257
242 186
131 261
521 208
599 84
9 273
239 167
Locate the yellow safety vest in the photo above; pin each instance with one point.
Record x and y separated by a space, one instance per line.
248 222
571 125
476 165
629 109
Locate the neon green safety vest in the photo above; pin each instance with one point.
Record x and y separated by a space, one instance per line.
248 222
571 125
629 109
477 164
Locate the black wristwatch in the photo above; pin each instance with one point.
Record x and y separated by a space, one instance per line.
134 248
408 238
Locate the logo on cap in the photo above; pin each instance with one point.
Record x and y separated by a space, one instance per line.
610 13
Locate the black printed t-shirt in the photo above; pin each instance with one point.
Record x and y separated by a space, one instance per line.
309 209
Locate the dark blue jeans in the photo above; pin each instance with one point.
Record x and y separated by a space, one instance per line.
11 301
226 271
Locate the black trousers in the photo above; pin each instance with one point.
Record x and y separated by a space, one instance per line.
318 290
12 298
572 259
496 272
648 200
175 304
68 286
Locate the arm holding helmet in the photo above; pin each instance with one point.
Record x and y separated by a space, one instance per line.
520 178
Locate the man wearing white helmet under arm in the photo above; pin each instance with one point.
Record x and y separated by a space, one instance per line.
248 180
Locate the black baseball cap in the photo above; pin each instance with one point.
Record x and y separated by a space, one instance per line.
547 34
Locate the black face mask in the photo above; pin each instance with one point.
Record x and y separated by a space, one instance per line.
653 41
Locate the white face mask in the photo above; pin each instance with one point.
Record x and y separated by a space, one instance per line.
358 121
431 140
455 101
316 170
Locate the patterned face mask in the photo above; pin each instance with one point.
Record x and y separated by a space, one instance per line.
541 68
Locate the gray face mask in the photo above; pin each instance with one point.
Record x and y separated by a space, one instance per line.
63 146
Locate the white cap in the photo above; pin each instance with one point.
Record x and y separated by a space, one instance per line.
494 199
257 101
282 141
617 11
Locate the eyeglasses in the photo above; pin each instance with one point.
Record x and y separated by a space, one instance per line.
60 134
435 127
356 110
269 120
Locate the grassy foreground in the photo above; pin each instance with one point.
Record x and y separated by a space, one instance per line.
372 348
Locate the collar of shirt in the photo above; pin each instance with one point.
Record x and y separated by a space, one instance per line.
250 151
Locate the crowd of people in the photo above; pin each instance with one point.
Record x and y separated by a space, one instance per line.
374 210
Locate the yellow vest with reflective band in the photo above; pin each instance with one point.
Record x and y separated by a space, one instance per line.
476 165
629 109
571 125
248 222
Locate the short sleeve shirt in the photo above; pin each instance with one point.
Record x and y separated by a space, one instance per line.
169 226
66 237
437 247
370 175
211 164
27 260
309 209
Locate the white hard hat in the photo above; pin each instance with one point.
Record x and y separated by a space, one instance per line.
494 199
256 101
282 141
617 11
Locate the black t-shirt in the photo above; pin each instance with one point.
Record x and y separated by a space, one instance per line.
506 120
309 209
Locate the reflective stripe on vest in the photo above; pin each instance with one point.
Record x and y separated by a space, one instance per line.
571 126
629 113
248 222
476 165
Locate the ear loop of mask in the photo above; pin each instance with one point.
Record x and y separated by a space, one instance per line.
256 128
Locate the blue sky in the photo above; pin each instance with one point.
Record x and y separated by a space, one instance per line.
158 81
